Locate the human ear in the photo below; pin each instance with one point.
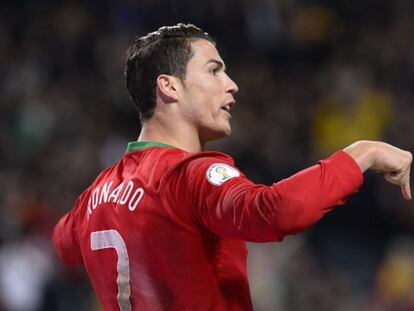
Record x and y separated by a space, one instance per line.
166 88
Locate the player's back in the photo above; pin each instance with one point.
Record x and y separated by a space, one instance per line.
140 245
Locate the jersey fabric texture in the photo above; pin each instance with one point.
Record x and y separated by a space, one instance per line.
164 229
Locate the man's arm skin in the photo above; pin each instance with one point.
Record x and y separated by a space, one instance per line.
393 162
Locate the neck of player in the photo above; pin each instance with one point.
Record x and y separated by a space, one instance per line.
178 135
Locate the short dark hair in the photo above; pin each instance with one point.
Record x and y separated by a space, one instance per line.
165 51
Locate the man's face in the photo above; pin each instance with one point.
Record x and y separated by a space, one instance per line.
206 96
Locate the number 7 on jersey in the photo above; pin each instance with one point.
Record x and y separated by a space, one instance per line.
112 239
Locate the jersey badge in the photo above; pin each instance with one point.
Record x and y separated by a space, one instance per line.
218 173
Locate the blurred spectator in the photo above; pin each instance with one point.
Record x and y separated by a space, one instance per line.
350 109
395 278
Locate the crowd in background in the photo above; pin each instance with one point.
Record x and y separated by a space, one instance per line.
314 76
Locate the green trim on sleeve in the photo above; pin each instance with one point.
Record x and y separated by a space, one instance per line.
137 145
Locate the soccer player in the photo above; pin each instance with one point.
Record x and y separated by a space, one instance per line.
165 227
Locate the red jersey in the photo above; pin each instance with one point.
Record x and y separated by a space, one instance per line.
164 229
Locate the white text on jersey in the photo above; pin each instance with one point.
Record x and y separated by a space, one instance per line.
125 194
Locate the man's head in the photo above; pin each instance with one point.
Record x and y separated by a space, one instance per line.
165 51
177 74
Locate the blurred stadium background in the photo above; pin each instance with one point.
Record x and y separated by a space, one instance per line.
314 76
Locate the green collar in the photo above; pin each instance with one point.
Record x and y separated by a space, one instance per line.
137 145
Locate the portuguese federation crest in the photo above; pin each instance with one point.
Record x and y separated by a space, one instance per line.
218 173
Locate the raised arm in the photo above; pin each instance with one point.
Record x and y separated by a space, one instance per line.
393 162
239 209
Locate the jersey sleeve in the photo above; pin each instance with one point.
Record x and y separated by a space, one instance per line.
234 207
65 237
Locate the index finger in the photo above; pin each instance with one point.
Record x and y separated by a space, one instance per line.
406 191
